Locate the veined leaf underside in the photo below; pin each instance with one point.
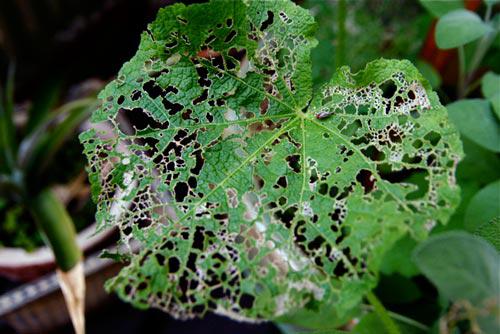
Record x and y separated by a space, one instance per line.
246 195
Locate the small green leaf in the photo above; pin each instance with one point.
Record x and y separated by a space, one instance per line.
495 103
462 266
476 122
490 231
459 27
484 206
490 84
439 8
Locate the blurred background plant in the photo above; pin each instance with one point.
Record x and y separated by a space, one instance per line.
454 43
31 161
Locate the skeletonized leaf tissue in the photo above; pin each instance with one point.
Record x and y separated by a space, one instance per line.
247 193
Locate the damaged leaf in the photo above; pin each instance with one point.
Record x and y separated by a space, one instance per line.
246 195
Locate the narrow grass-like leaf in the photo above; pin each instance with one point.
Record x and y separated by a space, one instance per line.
43 104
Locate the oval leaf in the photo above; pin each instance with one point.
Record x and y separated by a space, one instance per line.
490 84
458 28
461 266
475 121
245 197
495 103
484 206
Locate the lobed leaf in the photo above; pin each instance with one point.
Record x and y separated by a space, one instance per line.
246 195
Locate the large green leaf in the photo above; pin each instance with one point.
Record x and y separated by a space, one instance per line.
245 195
476 121
458 28
461 265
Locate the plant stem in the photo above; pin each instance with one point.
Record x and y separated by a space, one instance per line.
401 318
58 228
471 87
461 72
487 15
481 49
380 310
341 33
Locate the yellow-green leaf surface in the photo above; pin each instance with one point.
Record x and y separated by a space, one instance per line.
246 195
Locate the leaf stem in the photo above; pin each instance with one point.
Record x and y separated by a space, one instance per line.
401 318
481 49
461 72
382 313
341 34
471 87
58 228
487 15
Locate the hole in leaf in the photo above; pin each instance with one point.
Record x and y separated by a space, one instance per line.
268 21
